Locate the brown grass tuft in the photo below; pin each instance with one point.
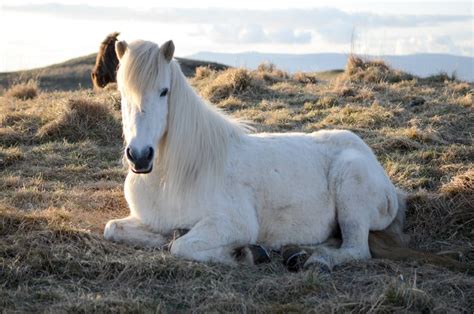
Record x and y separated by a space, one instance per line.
305 77
373 71
203 72
327 102
461 184
24 91
231 103
405 296
9 156
354 115
466 100
441 77
231 82
441 217
82 119
269 73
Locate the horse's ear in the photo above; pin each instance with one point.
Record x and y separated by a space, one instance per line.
168 50
120 48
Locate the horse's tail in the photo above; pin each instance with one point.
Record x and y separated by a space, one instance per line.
392 243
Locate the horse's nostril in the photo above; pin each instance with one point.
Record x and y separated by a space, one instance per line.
130 156
150 154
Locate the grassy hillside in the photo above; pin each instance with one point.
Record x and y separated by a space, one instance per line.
76 73
61 180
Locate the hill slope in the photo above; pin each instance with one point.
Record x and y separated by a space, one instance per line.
75 73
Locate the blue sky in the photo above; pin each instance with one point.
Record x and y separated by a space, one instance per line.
37 33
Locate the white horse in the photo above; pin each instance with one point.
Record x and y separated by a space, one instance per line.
193 167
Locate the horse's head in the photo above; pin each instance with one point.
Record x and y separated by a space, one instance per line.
105 68
99 79
144 80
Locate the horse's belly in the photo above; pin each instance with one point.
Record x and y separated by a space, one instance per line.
296 226
303 215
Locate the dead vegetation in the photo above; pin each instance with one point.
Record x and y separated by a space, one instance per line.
61 116
61 180
82 119
373 71
230 83
24 91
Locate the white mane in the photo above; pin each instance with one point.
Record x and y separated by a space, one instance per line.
194 148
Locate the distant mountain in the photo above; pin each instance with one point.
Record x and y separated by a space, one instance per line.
423 65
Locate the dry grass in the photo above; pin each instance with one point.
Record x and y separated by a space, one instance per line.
203 72
373 71
462 184
81 272
305 77
230 83
61 180
82 119
441 77
270 74
24 91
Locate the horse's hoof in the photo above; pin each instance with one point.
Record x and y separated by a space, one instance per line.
178 233
318 262
109 230
259 254
294 258
252 254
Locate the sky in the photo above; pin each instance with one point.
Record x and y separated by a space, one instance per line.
39 33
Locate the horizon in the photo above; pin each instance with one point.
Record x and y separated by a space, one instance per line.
366 28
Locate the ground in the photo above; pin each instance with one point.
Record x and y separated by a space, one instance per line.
61 181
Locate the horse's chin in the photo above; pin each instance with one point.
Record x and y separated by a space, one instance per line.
146 171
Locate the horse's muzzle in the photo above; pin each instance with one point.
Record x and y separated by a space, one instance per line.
140 162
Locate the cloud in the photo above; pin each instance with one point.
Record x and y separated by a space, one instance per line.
429 43
288 36
238 33
291 26
339 31
447 43
256 34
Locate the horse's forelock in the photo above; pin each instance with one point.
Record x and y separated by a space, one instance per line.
138 72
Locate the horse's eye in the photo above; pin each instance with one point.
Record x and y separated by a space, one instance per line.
164 92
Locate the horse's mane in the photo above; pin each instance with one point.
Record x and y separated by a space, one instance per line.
110 39
194 149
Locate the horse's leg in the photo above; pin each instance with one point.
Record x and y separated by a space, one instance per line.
214 239
354 247
361 203
130 230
